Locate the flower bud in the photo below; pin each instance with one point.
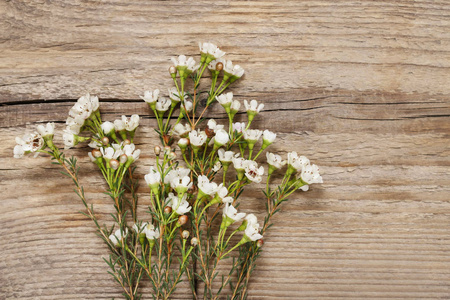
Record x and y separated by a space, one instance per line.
126 142
167 210
172 71
185 234
183 143
172 155
105 140
194 241
123 158
114 164
96 153
219 66
167 150
259 243
183 219
157 150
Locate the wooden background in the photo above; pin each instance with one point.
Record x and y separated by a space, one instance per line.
360 87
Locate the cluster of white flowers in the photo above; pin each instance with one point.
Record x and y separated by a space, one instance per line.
29 143
83 113
185 66
180 206
115 156
210 52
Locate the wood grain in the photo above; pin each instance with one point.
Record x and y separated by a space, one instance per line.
360 87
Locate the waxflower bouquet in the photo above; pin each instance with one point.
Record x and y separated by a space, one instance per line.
193 223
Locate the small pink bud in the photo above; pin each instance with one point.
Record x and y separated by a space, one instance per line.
259 243
183 220
105 140
172 70
126 142
157 150
114 164
185 234
194 241
167 210
96 153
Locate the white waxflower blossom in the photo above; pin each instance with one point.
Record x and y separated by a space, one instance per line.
269 137
117 237
221 138
174 96
252 230
297 162
208 188
253 106
95 144
119 125
47 130
107 127
275 160
70 139
235 106
230 212
74 125
110 153
181 129
140 228
252 135
181 184
216 167
222 192
27 144
197 138
131 151
117 146
130 123
187 106
179 172
225 99
234 71
185 65
180 207
226 156
163 104
183 207
151 232
239 163
153 178
310 174
84 107
238 126
252 171
212 125
150 96
211 49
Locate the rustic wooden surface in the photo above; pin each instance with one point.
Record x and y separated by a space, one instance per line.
360 87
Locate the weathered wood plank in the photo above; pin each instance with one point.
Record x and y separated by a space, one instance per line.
359 87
